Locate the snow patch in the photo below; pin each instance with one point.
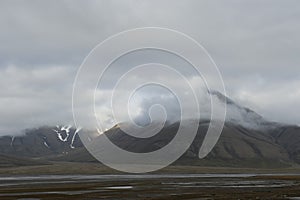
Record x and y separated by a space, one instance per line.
73 138
60 131
12 140
45 143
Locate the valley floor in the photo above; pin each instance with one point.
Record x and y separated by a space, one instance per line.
67 168
161 186
95 181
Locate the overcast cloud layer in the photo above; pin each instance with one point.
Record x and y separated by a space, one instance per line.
255 43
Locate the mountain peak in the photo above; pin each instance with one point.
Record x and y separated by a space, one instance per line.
243 116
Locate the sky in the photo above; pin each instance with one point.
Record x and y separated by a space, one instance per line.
254 43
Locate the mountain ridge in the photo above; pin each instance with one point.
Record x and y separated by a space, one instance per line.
246 140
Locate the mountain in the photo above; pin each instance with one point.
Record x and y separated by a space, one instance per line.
244 116
289 138
237 146
40 142
247 140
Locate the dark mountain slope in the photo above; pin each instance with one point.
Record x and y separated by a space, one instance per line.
237 146
289 138
43 141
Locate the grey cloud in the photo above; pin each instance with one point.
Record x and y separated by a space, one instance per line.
255 44
34 97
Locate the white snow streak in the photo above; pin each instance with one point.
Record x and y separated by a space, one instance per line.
73 138
45 143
